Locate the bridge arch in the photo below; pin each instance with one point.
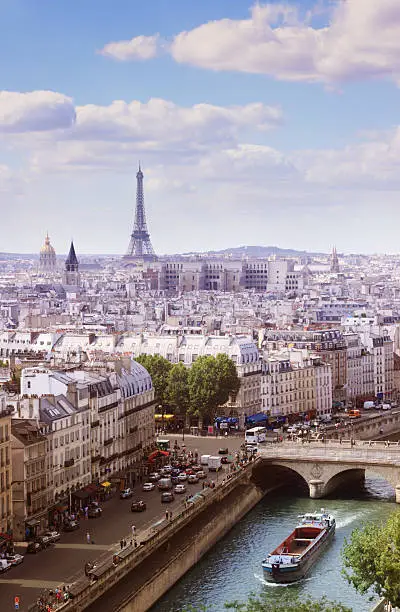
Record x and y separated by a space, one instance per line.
324 477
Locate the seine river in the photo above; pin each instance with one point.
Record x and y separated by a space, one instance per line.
232 569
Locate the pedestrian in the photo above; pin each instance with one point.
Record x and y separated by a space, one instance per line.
124 543
133 528
166 515
170 516
88 537
121 543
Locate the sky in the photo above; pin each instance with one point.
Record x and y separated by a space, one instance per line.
258 123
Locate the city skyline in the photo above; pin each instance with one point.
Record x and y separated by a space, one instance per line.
239 143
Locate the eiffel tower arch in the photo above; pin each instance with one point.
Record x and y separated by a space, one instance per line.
140 247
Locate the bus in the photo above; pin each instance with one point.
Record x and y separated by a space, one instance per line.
255 435
163 444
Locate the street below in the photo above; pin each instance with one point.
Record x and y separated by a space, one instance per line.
63 562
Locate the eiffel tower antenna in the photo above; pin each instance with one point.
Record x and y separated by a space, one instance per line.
140 247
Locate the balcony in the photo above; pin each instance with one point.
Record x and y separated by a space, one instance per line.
69 463
95 457
108 441
95 424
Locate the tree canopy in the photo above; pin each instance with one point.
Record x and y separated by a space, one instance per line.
177 391
287 602
211 381
159 369
371 559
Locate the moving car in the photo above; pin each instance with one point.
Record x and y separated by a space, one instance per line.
71 525
201 474
148 486
227 459
154 477
164 484
167 497
138 506
54 536
14 559
193 479
182 477
223 451
180 488
126 493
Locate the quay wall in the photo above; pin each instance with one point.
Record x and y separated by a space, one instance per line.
243 499
169 550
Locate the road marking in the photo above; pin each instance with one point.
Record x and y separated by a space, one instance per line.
84 546
33 584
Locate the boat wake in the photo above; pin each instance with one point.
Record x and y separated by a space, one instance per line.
261 579
351 518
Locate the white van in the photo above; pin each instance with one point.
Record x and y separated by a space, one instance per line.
369 405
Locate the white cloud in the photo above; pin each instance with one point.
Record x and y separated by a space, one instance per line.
360 40
35 111
138 48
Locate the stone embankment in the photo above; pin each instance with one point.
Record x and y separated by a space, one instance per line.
169 549
368 428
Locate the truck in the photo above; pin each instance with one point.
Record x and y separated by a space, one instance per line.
214 463
204 459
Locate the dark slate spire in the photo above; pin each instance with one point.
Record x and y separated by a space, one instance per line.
71 263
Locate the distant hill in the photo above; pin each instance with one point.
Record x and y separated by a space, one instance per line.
259 251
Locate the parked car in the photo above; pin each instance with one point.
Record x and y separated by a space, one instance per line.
193 479
4 565
182 477
201 474
148 486
223 451
180 488
94 512
167 497
14 559
154 477
126 493
138 506
45 540
34 547
70 525
53 535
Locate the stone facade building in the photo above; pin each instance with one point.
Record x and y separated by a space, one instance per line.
30 495
5 468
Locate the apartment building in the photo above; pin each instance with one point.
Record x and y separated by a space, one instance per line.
30 494
5 470
296 384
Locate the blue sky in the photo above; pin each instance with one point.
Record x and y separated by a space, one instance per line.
269 123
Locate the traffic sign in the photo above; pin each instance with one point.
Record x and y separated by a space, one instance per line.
16 602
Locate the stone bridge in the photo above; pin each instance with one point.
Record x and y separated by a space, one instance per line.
324 466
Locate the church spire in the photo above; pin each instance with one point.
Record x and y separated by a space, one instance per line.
334 261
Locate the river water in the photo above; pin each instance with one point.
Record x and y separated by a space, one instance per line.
232 569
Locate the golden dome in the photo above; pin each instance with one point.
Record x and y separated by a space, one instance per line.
47 248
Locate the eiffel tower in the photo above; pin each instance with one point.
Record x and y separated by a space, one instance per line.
140 247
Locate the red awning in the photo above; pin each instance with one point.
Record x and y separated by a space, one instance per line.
157 453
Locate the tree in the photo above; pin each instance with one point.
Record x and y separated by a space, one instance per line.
287 602
211 382
177 392
371 559
159 369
